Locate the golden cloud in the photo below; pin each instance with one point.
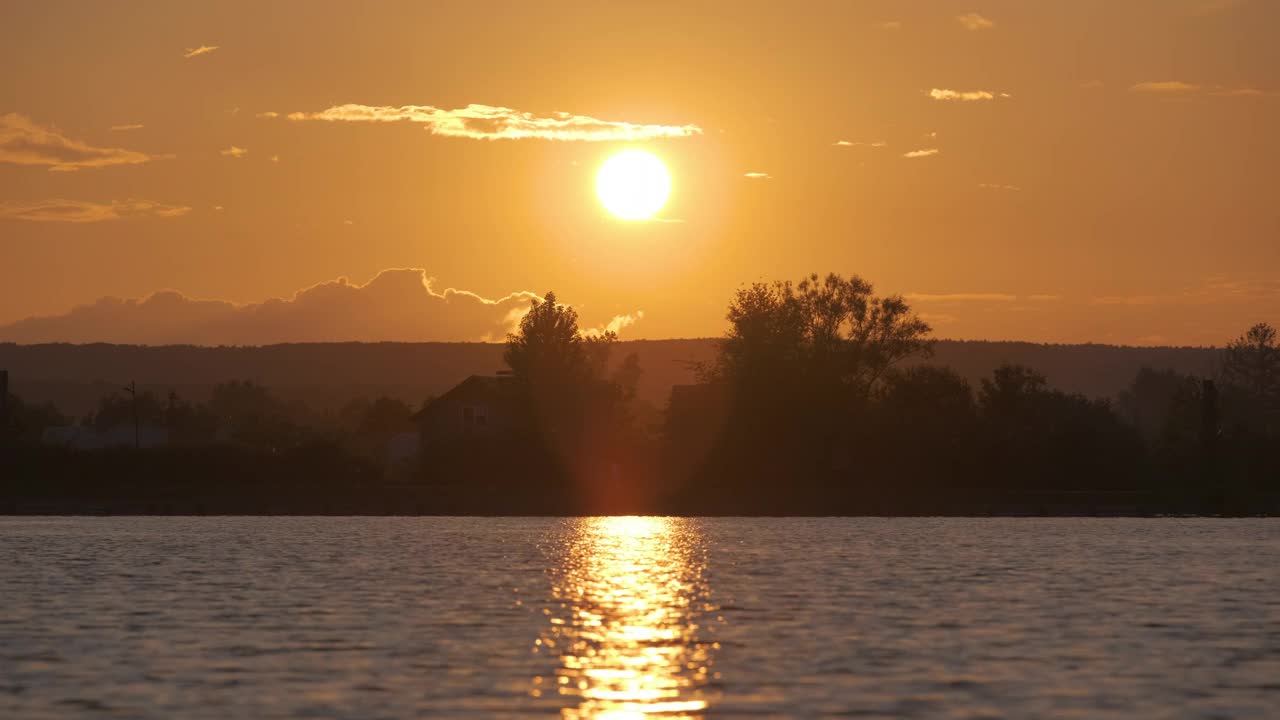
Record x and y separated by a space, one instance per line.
927 152
974 21
960 297
1164 86
23 142
965 95
487 122
202 50
82 211
616 324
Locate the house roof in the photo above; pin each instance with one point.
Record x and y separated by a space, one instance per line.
476 387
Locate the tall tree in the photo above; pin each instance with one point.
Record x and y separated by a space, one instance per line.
1251 363
830 331
549 348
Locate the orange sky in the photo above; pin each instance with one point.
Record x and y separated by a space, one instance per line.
1104 171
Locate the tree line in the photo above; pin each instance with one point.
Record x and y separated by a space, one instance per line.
819 397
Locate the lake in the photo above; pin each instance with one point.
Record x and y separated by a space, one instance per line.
197 617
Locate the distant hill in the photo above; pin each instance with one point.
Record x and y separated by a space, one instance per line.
326 375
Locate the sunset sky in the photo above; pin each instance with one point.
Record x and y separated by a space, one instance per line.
1075 171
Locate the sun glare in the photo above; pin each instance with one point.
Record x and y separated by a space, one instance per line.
633 184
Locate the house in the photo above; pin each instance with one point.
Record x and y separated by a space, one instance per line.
480 406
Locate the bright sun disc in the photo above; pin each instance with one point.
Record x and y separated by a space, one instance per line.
633 184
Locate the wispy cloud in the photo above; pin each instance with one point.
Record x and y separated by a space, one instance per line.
1213 290
974 21
1239 92
858 143
890 25
202 50
960 297
121 128
487 122
23 142
997 186
926 152
758 176
616 324
966 95
234 152
270 114
82 211
1178 88
1164 86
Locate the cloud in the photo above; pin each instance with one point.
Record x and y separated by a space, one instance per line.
1238 92
616 324
399 304
233 151
270 114
121 128
758 176
202 50
966 95
487 122
974 21
996 186
960 297
81 211
1177 88
23 142
1163 86
927 152
1216 289
890 25
849 143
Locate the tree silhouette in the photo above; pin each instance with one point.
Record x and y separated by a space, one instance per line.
830 332
1251 363
548 348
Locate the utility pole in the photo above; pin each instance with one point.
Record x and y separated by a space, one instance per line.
132 389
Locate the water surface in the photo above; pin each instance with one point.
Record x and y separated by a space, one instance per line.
638 617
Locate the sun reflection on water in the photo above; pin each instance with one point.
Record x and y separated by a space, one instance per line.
631 593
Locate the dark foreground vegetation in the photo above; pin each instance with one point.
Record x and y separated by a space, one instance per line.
819 400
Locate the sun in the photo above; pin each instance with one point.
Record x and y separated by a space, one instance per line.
633 184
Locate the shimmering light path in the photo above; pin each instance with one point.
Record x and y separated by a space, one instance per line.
632 592
214 618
